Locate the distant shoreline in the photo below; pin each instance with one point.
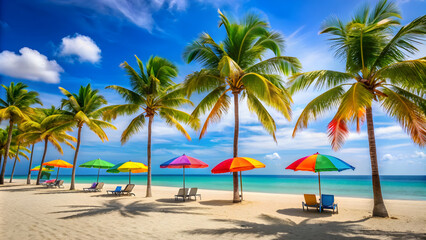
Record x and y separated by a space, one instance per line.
398 187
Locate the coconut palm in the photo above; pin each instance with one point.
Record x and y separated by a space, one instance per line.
82 108
376 71
15 151
236 67
48 127
19 148
33 117
152 93
15 107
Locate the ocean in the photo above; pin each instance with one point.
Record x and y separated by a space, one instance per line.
393 187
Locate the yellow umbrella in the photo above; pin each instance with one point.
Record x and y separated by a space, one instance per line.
37 168
59 164
131 167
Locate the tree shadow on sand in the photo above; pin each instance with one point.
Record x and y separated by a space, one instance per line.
278 228
27 188
310 214
137 208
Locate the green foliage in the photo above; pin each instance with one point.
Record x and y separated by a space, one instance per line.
152 93
376 70
237 65
84 107
48 124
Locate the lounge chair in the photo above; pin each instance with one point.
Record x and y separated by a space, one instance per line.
117 190
193 193
310 201
59 184
327 202
48 182
97 188
127 190
181 194
91 187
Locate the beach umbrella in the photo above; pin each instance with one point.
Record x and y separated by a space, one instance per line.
44 169
131 167
59 164
97 163
184 162
319 163
238 164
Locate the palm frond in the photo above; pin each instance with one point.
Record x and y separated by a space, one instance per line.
411 116
135 126
318 106
263 115
320 79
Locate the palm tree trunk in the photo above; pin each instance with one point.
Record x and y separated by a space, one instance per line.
75 158
236 132
379 209
42 161
6 152
14 164
31 163
148 180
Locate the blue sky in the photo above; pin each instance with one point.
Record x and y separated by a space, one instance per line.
71 43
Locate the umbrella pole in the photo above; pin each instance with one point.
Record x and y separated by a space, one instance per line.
241 183
99 169
319 184
130 174
57 174
184 192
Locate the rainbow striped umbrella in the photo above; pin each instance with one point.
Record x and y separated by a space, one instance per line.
184 162
319 163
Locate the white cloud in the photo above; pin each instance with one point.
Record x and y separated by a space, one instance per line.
418 154
30 65
388 157
273 156
140 12
82 47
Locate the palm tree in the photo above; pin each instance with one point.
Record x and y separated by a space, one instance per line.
84 108
236 66
20 147
376 71
33 117
46 127
16 108
152 93
14 150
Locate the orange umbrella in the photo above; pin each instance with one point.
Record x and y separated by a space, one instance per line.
59 164
237 164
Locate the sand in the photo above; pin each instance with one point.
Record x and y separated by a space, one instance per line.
34 212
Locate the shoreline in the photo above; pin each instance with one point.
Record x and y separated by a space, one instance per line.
401 191
30 211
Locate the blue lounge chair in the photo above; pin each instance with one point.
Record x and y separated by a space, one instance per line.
116 191
327 202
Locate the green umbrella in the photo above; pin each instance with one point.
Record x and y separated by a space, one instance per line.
97 163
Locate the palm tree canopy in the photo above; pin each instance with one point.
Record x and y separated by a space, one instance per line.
45 126
17 102
239 64
13 145
377 69
152 93
84 107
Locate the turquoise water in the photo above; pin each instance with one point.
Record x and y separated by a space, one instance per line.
393 187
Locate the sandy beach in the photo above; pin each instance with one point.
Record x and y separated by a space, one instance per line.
34 212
